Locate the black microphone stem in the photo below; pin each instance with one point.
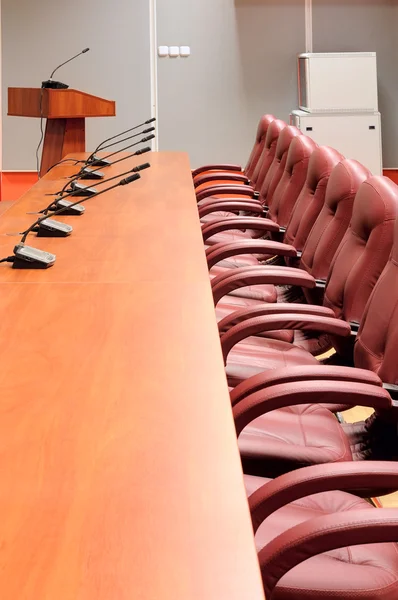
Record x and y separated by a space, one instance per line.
61 210
67 61
143 151
119 134
76 192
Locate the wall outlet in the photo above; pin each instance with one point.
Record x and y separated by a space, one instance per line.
163 51
174 51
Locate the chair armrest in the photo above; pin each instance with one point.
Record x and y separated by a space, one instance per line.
308 392
230 205
257 325
221 251
242 277
302 373
355 477
273 308
324 534
241 190
219 176
216 167
231 223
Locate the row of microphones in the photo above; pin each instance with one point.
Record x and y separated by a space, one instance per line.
94 160
62 202
86 191
86 173
26 257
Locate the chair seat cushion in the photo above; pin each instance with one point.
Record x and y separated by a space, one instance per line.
255 354
221 214
364 572
235 235
290 438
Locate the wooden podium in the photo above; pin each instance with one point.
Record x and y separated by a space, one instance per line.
65 111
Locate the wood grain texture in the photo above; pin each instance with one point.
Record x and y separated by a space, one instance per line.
62 137
120 473
65 111
57 104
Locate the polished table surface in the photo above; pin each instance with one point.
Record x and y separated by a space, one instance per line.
120 473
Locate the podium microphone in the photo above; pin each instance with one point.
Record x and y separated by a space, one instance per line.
57 85
26 257
100 162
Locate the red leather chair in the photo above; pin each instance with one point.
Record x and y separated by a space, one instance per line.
296 219
248 192
267 189
355 269
322 242
291 183
275 441
308 204
234 172
288 189
316 540
318 252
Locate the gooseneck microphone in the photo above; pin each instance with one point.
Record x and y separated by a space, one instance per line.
74 178
26 257
92 159
57 85
149 130
86 173
125 181
57 201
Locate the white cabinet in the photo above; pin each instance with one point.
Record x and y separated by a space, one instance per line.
338 81
355 135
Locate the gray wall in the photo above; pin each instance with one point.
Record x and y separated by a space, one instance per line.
39 34
366 25
242 65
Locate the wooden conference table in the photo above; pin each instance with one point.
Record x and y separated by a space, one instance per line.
120 473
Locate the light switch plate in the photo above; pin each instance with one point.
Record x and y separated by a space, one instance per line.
163 51
174 51
185 51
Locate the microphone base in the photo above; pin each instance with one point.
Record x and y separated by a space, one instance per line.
74 211
27 257
54 85
52 228
82 190
87 174
98 162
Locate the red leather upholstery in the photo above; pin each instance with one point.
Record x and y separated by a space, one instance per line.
277 167
268 153
282 428
333 220
280 441
325 235
313 560
254 157
264 163
312 196
356 267
377 340
292 180
363 252
285 196
258 147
